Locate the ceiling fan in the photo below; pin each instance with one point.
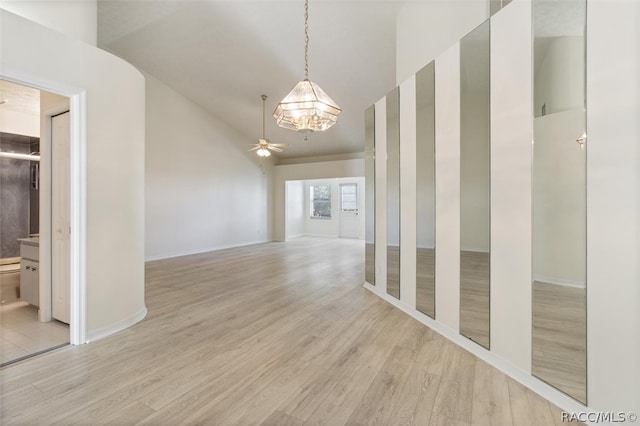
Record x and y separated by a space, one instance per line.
263 148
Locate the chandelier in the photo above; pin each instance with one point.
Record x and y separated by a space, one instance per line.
307 107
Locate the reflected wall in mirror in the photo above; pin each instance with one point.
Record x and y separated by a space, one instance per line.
474 185
559 196
393 193
425 190
370 196
496 5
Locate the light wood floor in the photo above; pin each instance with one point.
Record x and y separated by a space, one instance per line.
560 337
474 296
272 334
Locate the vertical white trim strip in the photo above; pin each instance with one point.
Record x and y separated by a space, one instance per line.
78 178
448 187
511 136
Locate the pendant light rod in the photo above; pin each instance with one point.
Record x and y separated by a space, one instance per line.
306 39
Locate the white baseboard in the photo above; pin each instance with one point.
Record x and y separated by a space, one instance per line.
559 281
103 332
546 391
205 250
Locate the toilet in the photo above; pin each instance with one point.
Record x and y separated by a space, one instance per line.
9 280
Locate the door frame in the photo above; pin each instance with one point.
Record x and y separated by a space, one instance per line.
78 198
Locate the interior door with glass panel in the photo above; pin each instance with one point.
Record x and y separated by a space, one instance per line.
349 210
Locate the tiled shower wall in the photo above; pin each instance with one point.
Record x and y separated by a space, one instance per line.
19 208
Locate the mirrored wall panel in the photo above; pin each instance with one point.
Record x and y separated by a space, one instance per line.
425 190
474 185
559 196
393 193
370 196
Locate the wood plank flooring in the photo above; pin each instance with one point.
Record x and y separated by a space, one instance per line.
271 334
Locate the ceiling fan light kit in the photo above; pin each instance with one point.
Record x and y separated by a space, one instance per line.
307 107
263 148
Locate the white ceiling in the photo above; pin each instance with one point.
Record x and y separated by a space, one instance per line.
21 99
224 54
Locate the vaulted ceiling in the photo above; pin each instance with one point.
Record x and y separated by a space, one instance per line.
224 54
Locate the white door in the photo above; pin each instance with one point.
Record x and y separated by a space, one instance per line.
60 226
349 220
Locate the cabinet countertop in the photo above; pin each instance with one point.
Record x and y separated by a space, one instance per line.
32 241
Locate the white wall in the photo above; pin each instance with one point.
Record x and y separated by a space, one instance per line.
75 18
114 159
613 205
562 63
559 194
424 30
511 135
295 211
306 171
448 188
204 191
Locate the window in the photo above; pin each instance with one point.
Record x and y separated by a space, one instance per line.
320 197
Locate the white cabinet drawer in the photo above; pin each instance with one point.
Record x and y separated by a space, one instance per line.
29 252
30 282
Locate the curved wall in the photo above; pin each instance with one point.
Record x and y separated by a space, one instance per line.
115 140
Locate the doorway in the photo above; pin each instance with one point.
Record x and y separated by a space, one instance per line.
34 123
324 208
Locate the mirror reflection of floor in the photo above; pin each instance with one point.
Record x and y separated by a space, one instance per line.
474 296
370 263
425 283
21 334
559 337
393 271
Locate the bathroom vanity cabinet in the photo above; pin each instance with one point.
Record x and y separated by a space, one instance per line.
30 270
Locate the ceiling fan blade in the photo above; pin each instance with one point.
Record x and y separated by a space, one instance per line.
273 148
254 148
281 145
